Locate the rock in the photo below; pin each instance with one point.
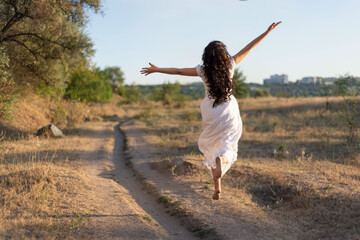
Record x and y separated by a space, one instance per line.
50 131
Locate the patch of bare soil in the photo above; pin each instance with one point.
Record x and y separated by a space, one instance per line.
184 186
123 210
77 187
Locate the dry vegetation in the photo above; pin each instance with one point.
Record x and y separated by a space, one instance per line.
42 186
314 179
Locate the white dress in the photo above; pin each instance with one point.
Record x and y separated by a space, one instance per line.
222 127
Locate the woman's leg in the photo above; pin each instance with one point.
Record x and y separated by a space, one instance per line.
217 183
218 170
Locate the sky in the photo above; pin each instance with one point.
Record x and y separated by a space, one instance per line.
315 38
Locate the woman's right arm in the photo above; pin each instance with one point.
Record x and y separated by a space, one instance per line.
243 52
176 71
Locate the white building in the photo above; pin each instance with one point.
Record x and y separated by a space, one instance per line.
276 79
330 80
311 80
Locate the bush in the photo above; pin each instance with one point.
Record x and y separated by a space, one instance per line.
261 93
88 86
169 93
350 116
7 97
132 94
115 77
46 90
122 90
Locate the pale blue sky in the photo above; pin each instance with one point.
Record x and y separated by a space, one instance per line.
316 38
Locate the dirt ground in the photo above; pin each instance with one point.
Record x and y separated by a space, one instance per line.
106 203
229 218
135 172
123 210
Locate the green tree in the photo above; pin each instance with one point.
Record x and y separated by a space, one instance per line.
6 86
88 86
342 85
45 39
132 94
116 78
168 93
241 88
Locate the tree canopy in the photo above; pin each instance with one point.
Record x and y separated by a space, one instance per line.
45 39
241 89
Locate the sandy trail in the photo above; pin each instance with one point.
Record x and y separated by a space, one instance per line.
122 209
230 219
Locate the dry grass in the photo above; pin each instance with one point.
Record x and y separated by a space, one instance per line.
317 183
34 112
43 192
40 199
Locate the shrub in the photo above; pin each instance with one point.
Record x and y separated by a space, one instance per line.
169 93
261 93
46 90
341 86
132 94
122 90
350 115
7 97
115 77
88 86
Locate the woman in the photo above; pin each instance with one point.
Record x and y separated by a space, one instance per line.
221 121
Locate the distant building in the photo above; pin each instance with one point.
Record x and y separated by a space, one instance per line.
276 79
330 80
311 80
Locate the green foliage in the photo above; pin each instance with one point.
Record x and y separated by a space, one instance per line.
241 88
88 86
281 148
341 86
169 93
165 200
47 90
132 94
122 91
261 93
116 78
7 98
45 40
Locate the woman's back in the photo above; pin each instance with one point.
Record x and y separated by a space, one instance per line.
200 72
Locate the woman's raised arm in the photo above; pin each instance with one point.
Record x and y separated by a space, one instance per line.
243 52
177 71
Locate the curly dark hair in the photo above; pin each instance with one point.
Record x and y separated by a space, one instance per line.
216 64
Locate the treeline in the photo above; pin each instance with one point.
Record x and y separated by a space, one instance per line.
345 86
44 49
175 93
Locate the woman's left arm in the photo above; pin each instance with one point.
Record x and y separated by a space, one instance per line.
176 71
243 52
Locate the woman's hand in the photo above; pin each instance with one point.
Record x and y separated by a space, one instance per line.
272 27
149 70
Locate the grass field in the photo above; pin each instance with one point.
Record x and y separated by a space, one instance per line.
313 179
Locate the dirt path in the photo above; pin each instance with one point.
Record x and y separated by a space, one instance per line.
122 209
226 219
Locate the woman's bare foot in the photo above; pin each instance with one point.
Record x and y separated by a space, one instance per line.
216 195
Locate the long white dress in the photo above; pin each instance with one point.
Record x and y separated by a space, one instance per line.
222 127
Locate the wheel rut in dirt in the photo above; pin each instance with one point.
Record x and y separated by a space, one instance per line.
125 177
